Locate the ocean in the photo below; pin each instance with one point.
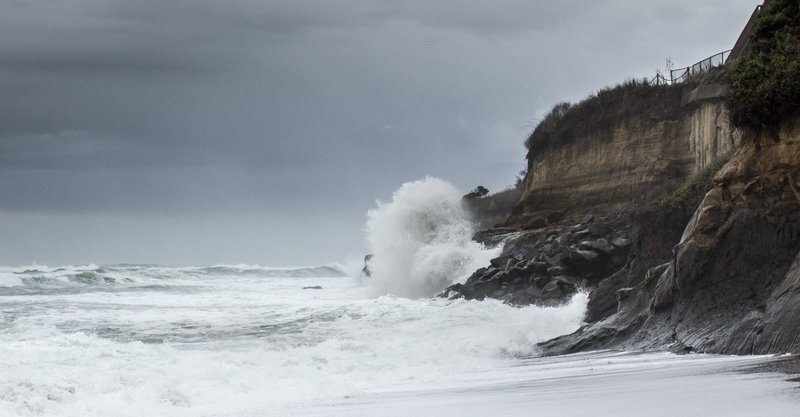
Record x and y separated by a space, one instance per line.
251 341
128 340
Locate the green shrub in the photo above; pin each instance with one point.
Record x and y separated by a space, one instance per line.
478 192
548 128
766 82
681 203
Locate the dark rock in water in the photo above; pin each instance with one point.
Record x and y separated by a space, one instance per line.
586 263
530 295
550 287
537 267
461 291
365 271
567 280
518 276
556 270
501 262
315 287
558 256
540 282
553 291
481 271
516 272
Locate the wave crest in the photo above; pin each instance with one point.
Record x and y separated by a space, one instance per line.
422 240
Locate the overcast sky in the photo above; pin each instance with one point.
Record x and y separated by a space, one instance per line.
261 131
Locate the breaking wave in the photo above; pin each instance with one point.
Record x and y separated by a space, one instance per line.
131 274
422 241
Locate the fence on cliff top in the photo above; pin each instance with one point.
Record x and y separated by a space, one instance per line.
681 74
703 66
718 60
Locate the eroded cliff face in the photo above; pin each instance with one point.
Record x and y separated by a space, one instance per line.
608 168
733 283
711 135
492 211
730 283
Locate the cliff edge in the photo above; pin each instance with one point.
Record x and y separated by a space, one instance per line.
633 141
676 207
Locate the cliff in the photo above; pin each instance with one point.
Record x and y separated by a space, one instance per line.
733 282
677 208
646 142
492 210
713 266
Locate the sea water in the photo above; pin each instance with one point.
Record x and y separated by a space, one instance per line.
236 341
239 340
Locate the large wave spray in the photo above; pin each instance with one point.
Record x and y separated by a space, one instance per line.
422 240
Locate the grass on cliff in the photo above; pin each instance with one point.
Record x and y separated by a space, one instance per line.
679 205
602 110
766 81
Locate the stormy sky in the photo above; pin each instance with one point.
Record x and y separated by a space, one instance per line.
261 131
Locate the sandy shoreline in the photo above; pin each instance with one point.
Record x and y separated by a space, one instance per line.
602 383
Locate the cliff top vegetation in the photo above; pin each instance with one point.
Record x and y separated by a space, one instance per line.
766 82
611 105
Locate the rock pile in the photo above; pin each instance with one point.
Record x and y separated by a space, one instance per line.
547 266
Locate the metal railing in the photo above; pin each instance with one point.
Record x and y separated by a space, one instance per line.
681 74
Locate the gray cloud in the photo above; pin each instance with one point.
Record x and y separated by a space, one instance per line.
289 115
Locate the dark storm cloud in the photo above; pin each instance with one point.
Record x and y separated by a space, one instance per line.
293 115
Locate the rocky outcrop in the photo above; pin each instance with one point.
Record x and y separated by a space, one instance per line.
492 210
732 284
607 166
547 266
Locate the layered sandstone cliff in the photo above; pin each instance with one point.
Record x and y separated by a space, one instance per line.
608 165
684 231
733 282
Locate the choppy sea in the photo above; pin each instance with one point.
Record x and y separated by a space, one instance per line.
132 340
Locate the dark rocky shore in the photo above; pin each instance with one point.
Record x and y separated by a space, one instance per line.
732 284
676 210
547 266
728 282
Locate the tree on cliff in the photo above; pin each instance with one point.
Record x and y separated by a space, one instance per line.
766 82
478 192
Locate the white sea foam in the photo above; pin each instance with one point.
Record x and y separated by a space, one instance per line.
422 241
242 340
178 343
242 345
602 384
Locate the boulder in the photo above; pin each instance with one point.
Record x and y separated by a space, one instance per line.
599 229
580 257
600 245
556 270
552 290
537 266
621 242
501 262
540 282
